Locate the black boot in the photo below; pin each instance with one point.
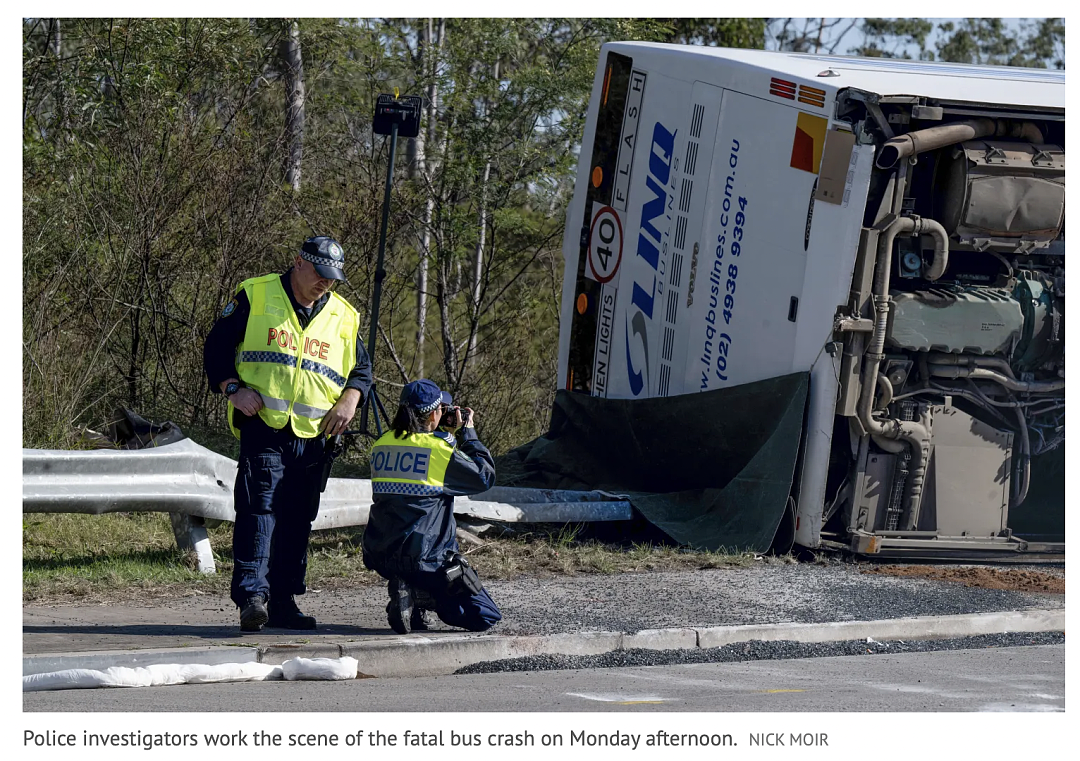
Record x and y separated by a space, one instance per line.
253 615
423 603
420 620
399 611
285 615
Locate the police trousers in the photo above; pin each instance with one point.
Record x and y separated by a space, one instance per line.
473 612
276 500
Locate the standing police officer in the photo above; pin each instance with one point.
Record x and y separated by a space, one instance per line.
287 354
411 535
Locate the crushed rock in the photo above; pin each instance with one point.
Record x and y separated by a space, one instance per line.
758 651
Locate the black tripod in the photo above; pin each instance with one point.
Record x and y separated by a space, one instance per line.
376 300
393 116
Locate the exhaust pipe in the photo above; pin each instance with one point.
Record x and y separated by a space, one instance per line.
923 140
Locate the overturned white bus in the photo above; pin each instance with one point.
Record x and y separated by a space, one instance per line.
892 230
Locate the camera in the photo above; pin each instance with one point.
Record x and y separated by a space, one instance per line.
451 417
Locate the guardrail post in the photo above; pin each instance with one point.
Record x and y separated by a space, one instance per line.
190 533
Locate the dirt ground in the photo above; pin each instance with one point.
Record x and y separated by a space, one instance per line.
987 578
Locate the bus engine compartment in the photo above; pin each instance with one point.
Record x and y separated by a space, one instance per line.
952 377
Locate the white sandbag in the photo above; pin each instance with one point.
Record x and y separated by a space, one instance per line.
68 679
320 668
150 676
198 673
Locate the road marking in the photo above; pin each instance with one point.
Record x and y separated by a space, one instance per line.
918 690
773 692
625 700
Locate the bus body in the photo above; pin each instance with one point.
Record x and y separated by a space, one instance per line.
893 228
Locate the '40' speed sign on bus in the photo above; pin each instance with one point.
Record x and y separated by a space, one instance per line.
605 245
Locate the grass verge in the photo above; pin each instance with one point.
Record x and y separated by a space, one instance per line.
132 557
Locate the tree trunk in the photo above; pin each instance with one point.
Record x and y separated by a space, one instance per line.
54 38
430 64
443 295
293 65
54 46
478 260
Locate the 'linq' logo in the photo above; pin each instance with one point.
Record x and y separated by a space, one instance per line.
648 248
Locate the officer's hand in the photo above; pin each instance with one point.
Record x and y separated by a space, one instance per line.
467 417
247 400
341 414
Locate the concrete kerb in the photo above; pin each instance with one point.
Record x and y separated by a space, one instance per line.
922 627
438 656
100 660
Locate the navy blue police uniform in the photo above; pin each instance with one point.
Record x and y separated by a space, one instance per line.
278 483
411 534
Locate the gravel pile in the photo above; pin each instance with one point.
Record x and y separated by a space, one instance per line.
758 651
762 594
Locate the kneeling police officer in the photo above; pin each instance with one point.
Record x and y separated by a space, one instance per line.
411 536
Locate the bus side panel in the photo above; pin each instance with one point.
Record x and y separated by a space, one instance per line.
752 260
832 243
638 366
693 160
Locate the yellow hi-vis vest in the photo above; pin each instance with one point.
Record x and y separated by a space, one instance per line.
414 465
300 373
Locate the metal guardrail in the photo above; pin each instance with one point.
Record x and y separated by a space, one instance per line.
194 484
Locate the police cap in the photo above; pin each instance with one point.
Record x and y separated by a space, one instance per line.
326 255
423 396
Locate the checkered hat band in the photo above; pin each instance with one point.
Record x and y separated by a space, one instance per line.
405 488
321 260
429 407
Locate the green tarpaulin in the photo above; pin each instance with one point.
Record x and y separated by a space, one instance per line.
712 470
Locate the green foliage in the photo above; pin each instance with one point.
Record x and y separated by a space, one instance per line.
892 38
148 192
993 41
808 35
716 32
154 157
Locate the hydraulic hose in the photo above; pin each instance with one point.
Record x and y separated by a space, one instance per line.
886 391
982 373
941 248
1025 458
915 433
892 446
966 360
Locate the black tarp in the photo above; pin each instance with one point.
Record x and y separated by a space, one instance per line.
130 430
1042 516
712 470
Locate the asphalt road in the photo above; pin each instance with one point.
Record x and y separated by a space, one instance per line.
992 679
